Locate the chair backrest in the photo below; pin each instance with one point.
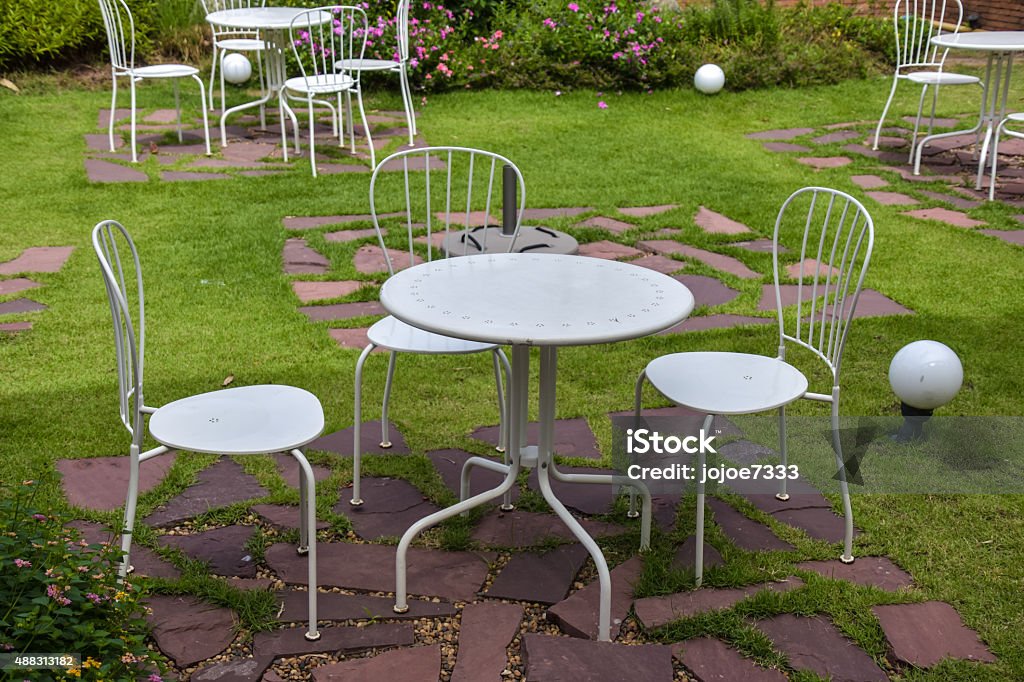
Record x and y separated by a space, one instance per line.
915 23
446 194
402 29
122 276
210 6
318 45
120 26
838 236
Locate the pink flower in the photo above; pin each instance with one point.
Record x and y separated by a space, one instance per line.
39 517
93 597
21 563
550 23
639 17
602 105
155 678
574 7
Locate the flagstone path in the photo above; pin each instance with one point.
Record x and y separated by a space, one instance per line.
35 259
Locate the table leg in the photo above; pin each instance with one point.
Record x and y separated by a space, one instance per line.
548 371
274 82
996 108
616 480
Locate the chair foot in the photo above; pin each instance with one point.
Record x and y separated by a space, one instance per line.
499 448
386 444
129 570
356 503
312 636
782 497
507 507
846 559
302 551
400 609
633 514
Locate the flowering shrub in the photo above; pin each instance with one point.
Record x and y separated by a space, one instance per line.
60 595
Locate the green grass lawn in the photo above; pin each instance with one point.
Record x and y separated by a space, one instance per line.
218 305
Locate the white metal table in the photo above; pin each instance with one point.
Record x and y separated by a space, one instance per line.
533 300
273 24
1000 47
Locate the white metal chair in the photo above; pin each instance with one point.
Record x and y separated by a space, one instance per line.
838 234
316 45
117 19
227 40
457 194
236 421
916 22
1016 118
399 65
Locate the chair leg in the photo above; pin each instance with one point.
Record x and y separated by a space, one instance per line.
357 446
917 126
698 559
284 132
177 106
263 89
847 556
782 495
885 111
503 415
385 436
131 84
309 515
637 398
206 119
312 137
303 547
213 72
113 108
129 511
995 156
410 112
223 89
366 128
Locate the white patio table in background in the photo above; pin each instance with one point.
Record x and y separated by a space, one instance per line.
1000 47
524 300
273 24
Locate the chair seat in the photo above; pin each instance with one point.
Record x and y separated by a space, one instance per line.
248 420
941 78
726 383
323 83
393 334
241 44
165 71
368 64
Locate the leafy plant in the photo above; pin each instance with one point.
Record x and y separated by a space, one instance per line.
61 594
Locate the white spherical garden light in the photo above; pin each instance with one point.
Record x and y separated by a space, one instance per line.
709 79
237 68
924 375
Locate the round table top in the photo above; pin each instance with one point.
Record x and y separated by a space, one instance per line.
536 299
247 420
994 41
270 18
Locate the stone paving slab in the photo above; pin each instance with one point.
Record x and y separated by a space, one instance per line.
644 211
16 285
958 201
815 644
568 659
318 291
222 548
15 327
945 215
604 223
101 483
809 267
415 163
251 583
745 533
300 259
370 260
1008 236
717 321
925 176
333 639
486 631
292 222
923 634
38 259
449 465
355 339
660 264
892 198
745 452
839 136
572 437
685 558
707 290
191 176
456 576
352 235
98 170
818 523
338 168
712 660
217 486
519 529
283 516
189 630
687 421
784 147
716 223
870 571
415 664
100 142
294 607
390 506
733 266
823 162
288 467
260 173
655 612
868 181
578 615
539 578
144 561
544 213
786 134
340 442
243 670
608 250
591 499
761 494
758 246
870 304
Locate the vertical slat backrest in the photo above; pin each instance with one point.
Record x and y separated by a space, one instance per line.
122 278
835 250
120 27
443 193
916 22
210 6
402 29
319 45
